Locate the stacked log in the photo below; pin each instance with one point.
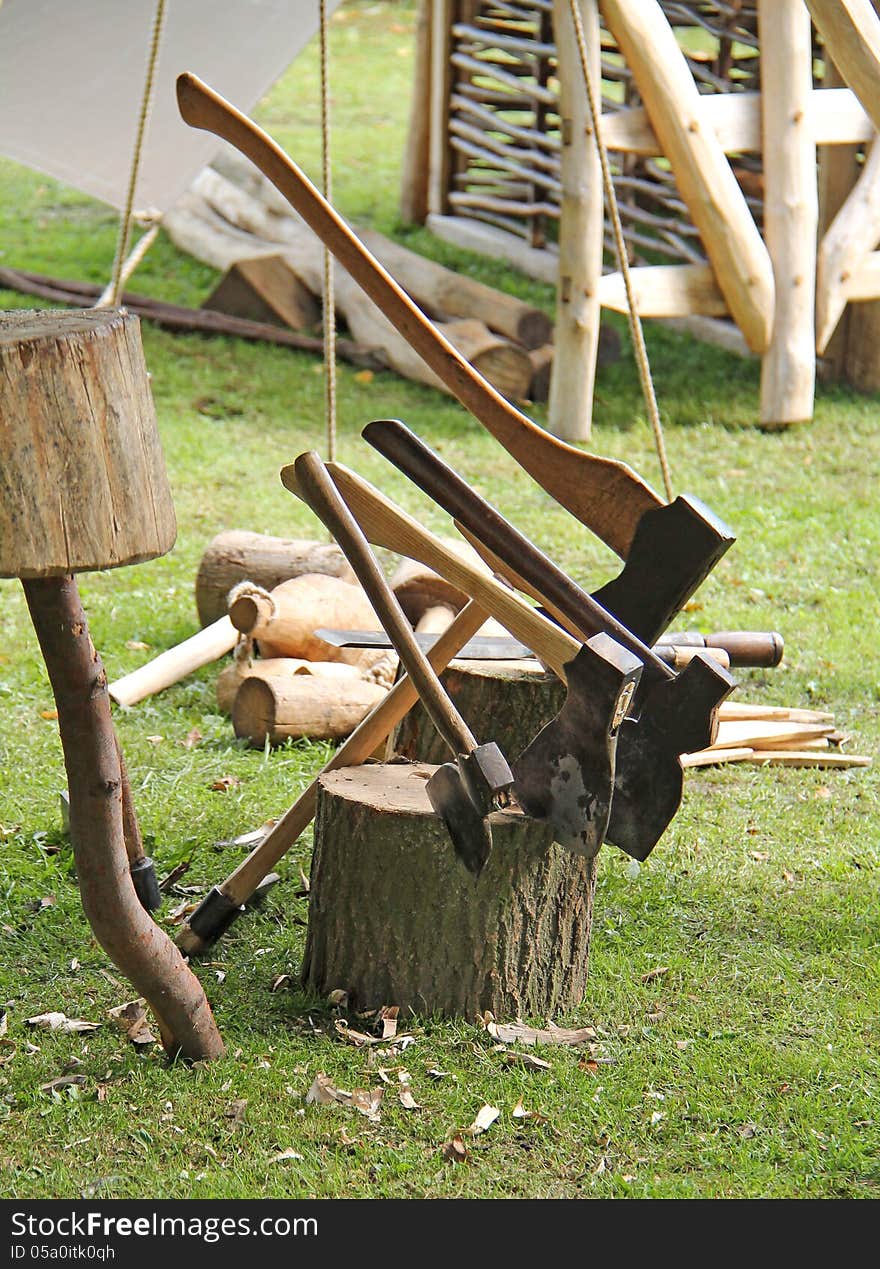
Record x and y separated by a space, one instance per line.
236 221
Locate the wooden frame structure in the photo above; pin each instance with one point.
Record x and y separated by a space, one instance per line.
744 166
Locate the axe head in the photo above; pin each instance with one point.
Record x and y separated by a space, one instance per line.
466 825
566 774
678 716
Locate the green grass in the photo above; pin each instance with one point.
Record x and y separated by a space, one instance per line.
749 1068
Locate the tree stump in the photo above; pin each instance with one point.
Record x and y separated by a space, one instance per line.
505 701
395 918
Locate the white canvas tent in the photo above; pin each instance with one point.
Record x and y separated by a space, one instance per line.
72 75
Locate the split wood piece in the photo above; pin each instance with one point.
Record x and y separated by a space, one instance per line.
603 493
739 710
775 758
850 31
225 901
83 486
791 210
220 223
177 317
265 289
231 677
846 247
703 175
392 916
169 667
666 290
834 117
581 232
279 707
240 556
767 734
284 621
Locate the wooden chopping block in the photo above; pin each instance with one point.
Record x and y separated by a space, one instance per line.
394 916
265 289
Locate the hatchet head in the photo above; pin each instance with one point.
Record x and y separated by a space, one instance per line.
464 794
677 716
566 775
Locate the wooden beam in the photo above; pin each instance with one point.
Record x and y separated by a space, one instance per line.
666 290
836 117
581 231
850 30
791 210
703 175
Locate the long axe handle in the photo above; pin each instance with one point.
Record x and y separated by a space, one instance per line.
224 901
314 486
605 495
404 449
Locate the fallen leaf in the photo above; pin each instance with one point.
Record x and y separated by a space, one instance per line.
155 740
788 877
747 1131
4 1022
368 1102
74 965
388 1018
589 1064
224 783
131 1019
322 1091
280 982
822 793
682 1044
455 1151
137 645
192 739
528 1061
40 905
761 856
338 997
511 1032
519 1112
285 1154
438 1075
358 1038
179 914
60 1022
407 1101
364 376
235 1112
63 1081
486 1117
655 973
49 714
656 1117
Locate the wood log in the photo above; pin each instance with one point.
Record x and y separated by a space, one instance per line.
231 677
791 210
82 480
581 232
394 917
195 226
449 294
290 707
542 371
285 620
238 555
265 289
703 175
475 235
417 152
506 366
419 588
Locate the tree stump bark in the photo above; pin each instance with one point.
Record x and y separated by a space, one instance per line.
395 918
505 701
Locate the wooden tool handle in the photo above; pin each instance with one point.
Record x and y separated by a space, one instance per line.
169 667
749 647
602 493
403 448
315 487
387 526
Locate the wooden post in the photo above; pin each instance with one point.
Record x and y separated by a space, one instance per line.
581 231
442 17
788 370
416 157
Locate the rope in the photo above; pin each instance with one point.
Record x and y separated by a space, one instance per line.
329 307
635 325
110 298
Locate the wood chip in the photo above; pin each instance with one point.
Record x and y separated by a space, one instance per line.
518 1032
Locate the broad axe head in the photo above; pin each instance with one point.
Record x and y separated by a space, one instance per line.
566 774
463 795
678 716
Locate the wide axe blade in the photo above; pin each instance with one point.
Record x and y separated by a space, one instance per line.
681 719
567 774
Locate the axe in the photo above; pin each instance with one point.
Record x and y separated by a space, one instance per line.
674 714
462 794
669 548
572 759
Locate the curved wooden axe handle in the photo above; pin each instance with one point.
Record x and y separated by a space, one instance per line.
386 525
604 494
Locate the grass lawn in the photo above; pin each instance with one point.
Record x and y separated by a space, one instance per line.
746 1066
